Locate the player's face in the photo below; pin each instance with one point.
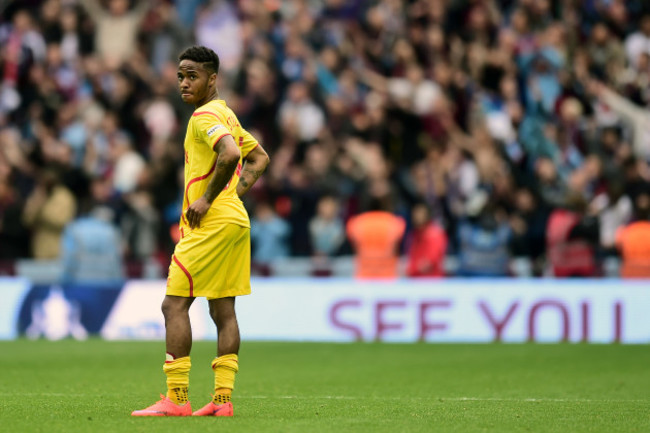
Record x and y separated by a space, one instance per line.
194 82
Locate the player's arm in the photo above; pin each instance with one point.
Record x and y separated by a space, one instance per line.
225 167
254 165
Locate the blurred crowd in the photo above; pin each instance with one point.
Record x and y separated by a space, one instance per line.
511 128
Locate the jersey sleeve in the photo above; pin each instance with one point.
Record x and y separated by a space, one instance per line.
247 143
210 127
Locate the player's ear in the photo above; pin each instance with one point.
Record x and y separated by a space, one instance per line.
212 78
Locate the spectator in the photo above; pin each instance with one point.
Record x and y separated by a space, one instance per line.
187 11
638 43
637 118
376 236
605 51
269 236
217 27
164 35
26 30
14 237
128 165
633 241
326 228
552 188
614 210
426 245
570 237
159 116
636 177
299 116
483 238
91 249
73 39
117 27
139 225
49 208
413 93
528 222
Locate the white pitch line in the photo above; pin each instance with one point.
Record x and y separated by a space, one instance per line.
347 397
443 399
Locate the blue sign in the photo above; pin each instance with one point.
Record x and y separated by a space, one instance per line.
61 311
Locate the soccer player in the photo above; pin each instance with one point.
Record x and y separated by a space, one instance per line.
212 258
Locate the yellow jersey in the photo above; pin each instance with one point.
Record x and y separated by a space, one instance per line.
208 124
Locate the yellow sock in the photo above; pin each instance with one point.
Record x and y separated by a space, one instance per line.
222 398
224 368
178 378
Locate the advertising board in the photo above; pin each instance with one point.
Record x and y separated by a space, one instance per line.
595 311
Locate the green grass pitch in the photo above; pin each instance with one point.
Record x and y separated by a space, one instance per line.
93 386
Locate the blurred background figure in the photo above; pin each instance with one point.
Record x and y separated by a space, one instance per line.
571 236
376 236
326 228
327 234
633 240
116 27
614 210
483 239
528 222
92 249
128 165
299 115
269 238
14 236
426 245
139 230
48 209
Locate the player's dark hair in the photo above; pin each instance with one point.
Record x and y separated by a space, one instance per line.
204 55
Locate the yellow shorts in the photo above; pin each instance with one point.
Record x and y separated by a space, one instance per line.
211 262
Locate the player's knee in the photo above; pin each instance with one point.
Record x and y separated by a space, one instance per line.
166 308
219 319
222 319
171 307
222 312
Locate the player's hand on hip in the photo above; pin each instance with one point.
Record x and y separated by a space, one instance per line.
196 211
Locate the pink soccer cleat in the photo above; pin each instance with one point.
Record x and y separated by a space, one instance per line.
165 407
212 409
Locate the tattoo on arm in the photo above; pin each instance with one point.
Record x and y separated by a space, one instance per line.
224 169
249 175
222 174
